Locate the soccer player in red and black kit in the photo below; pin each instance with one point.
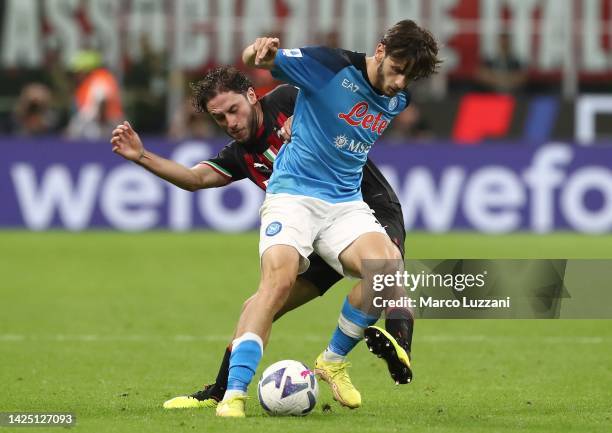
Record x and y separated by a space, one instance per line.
259 128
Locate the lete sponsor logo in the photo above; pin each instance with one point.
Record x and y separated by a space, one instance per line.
361 117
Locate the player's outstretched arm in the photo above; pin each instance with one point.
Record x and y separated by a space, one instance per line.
128 144
261 53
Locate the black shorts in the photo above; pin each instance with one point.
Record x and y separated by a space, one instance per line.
389 215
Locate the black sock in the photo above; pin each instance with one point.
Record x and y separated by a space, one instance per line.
221 381
399 323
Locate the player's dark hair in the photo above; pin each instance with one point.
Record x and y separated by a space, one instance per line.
218 80
406 40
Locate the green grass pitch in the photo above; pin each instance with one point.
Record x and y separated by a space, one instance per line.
110 325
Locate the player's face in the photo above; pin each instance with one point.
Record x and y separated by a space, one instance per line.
235 113
392 74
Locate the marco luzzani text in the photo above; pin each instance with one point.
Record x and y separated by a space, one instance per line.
414 281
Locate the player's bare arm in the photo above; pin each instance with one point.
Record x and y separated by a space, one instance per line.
261 53
128 144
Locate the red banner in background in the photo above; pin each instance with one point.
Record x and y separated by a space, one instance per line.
545 35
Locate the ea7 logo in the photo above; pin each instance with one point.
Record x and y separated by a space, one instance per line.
350 85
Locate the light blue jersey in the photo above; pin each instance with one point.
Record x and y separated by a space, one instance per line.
338 116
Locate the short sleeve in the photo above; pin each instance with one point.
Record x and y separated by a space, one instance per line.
227 163
309 68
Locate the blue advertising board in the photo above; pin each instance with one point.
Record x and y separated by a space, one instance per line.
56 184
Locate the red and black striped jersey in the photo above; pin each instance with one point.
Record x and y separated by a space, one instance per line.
254 159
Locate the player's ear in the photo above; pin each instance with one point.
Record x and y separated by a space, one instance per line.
379 54
251 96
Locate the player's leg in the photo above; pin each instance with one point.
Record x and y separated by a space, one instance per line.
399 321
355 235
350 221
392 343
285 242
331 365
373 254
302 292
279 269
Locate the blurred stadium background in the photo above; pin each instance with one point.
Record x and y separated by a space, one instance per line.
512 138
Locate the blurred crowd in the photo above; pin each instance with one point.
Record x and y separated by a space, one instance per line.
86 99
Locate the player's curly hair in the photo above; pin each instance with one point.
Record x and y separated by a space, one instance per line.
406 40
218 80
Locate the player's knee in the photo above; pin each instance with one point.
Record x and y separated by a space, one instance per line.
389 260
278 276
274 290
392 252
280 285
393 256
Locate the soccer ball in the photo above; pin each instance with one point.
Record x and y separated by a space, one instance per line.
288 388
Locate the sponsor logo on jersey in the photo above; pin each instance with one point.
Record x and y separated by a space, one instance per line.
273 228
393 103
340 141
359 116
293 52
343 142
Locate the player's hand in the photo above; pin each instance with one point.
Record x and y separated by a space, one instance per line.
126 142
285 131
265 49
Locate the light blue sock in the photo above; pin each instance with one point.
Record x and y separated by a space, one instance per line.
246 354
349 331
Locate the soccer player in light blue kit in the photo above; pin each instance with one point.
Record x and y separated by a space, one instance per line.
313 200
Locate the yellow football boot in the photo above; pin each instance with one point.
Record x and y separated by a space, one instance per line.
336 375
199 399
383 345
233 407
